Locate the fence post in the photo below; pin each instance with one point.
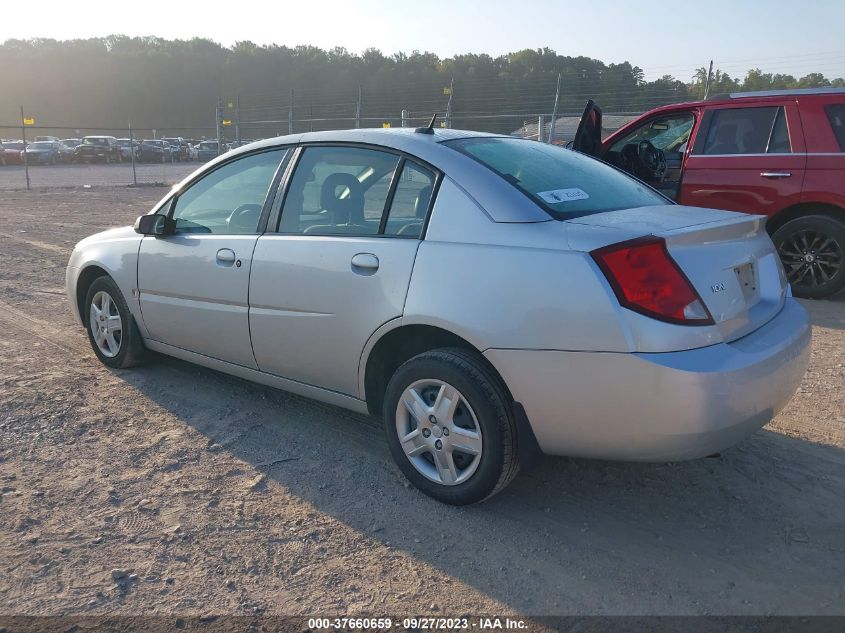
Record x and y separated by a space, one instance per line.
358 109
541 124
238 119
554 112
290 113
405 118
132 154
25 159
219 126
449 103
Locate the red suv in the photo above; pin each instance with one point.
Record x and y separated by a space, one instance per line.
779 153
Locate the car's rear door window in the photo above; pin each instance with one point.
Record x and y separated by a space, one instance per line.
411 200
836 116
747 131
338 190
563 182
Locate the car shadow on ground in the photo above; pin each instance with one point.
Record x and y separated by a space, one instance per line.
758 530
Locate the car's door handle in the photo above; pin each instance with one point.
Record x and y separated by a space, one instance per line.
364 263
226 256
775 174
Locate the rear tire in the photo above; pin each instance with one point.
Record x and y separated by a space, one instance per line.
117 343
812 249
459 444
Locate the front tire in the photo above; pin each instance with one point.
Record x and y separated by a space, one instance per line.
812 249
112 330
450 426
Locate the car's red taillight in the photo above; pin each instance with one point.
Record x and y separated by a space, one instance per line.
647 280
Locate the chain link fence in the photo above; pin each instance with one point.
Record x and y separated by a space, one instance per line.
61 155
38 156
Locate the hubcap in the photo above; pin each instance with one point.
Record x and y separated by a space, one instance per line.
439 432
106 326
811 258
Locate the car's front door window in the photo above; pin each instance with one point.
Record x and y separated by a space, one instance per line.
667 133
228 200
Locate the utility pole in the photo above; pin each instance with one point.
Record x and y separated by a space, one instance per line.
554 111
709 77
449 103
290 113
358 109
25 158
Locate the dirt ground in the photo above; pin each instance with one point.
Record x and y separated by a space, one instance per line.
172 489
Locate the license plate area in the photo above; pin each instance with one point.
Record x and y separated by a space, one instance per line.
746 275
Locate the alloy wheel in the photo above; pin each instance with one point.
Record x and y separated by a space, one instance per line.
439 432
811 258
106 324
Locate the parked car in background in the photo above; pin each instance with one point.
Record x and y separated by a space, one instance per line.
207 150
155 151
67 147
98 149
13 152
43 153
589 315
778 153
179 148
129 148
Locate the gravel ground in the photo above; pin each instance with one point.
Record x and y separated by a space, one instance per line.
172 489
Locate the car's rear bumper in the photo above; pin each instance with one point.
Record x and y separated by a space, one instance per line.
659 407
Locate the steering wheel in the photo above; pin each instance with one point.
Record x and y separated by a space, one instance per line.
653 160
242 213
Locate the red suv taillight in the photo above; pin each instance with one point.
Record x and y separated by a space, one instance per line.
647 280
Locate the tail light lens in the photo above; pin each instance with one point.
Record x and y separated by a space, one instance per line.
646 279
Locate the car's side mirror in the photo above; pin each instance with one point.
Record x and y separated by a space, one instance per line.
156 224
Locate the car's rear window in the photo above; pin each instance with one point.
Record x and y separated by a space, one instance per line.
564 183
836 115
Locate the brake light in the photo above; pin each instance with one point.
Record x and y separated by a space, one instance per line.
646 279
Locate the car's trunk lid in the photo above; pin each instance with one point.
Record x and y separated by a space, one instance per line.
728 257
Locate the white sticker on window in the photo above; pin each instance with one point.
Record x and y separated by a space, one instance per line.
563 195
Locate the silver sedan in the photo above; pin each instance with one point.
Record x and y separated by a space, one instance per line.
489 298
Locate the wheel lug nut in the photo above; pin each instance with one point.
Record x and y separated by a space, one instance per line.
445 431
426 432
432 419
438 445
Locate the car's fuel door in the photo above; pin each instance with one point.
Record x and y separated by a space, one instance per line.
588 136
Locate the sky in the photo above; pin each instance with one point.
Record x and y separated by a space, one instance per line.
660 37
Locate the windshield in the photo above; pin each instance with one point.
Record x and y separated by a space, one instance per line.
10 145
41 145
208 145
566 184
95 141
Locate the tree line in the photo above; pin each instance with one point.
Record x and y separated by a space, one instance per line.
158 83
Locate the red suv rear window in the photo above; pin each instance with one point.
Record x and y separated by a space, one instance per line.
836 115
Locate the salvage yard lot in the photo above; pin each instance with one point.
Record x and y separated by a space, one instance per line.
209 495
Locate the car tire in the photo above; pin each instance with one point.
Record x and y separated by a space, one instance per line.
481 422
812 249
104 302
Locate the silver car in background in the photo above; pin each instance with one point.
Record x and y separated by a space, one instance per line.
490 298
